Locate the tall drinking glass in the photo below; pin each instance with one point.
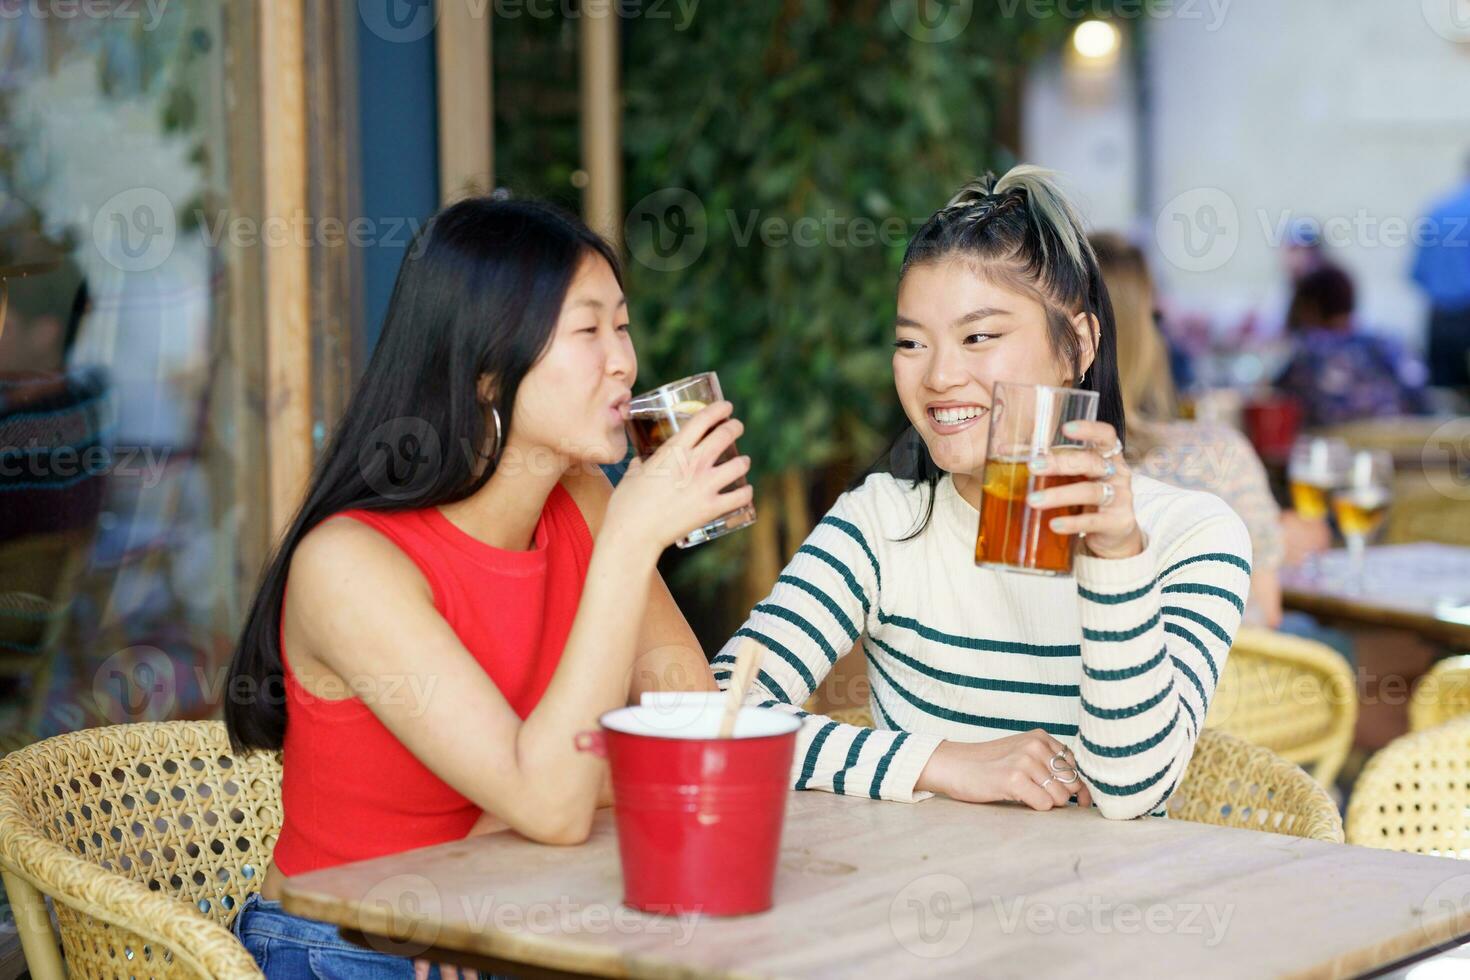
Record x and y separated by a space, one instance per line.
654 417
1361 503
1026 422
1318 466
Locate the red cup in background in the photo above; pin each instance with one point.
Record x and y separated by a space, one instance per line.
1271 424
699 817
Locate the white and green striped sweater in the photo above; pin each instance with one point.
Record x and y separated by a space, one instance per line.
1118 663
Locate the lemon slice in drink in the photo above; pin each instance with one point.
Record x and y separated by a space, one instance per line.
690 408
1006 479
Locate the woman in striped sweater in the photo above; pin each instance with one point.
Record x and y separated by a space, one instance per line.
988 685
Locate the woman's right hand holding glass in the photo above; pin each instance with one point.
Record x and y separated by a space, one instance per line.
679 488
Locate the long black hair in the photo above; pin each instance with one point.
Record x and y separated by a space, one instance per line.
1021 231
479 293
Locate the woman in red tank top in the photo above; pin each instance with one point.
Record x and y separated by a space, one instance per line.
462 591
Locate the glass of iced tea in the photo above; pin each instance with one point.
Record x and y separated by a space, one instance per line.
1026 422
1360 504
654 417
1316 468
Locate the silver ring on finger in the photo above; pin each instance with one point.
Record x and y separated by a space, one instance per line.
1059 757
1109 494
1110 469
1048 781
1068 780
1115 451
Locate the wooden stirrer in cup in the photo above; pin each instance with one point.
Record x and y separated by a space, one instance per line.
747 660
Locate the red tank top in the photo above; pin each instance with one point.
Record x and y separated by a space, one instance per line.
349 789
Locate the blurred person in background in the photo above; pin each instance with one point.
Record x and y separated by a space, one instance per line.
1302 253
49 418
1442 270
52 459
1338 373
1193 455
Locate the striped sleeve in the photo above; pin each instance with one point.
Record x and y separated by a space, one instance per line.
821 604
1156 629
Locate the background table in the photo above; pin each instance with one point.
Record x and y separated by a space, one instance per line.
939 888
1421 587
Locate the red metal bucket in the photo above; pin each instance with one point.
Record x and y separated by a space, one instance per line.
699 817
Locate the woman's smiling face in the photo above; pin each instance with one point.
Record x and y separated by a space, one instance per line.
957 333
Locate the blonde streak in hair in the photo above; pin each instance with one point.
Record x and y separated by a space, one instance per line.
1049 207
972 190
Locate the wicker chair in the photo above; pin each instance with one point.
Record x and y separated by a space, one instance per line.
1232 783
147 838
1441 694
1294 696
1413 795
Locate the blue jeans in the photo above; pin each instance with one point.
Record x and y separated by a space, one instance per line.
290 947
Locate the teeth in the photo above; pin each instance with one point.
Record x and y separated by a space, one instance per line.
952 416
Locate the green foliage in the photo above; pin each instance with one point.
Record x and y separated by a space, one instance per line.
816 137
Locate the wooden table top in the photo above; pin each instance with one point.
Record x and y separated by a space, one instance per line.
939 888
1423 587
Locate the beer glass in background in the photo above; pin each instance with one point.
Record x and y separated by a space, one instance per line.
1318 466
1026 422
1361 502
654 417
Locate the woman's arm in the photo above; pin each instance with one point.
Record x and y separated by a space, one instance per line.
1158 613
669 657
820 606
1156 629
